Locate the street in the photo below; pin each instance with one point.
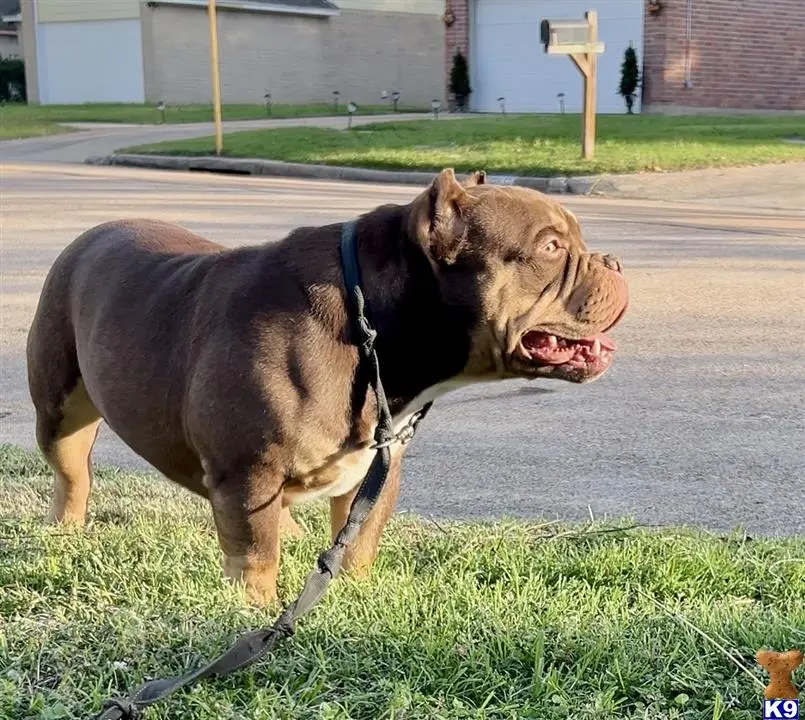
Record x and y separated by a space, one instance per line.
699 422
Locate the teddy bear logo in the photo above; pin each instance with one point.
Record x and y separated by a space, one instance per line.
780 666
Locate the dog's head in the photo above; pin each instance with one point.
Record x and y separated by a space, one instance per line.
516 260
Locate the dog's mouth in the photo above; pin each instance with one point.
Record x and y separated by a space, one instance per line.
579 360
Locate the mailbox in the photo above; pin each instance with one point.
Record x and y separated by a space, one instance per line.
564 37
578 40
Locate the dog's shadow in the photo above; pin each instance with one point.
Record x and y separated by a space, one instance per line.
519 391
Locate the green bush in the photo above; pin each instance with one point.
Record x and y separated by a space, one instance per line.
460 80
12 80
630 78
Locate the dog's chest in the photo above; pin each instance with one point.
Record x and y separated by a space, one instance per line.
343 473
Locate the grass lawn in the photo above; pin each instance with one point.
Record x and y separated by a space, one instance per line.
514 620
18 120
523 145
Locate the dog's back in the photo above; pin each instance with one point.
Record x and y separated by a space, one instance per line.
101 273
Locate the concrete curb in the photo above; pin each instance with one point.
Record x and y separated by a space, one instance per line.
582 185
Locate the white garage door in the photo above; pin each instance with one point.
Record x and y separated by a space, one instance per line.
90 62
508 60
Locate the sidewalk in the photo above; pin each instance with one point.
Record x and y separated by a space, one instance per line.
104 139
770 187
773 187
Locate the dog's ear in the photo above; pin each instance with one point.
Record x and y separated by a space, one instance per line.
476 178
440 217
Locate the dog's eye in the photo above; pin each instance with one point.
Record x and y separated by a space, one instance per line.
550 247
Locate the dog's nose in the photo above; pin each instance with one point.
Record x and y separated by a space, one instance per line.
613 263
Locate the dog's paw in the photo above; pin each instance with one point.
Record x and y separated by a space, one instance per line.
258 581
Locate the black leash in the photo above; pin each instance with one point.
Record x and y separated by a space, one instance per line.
254 645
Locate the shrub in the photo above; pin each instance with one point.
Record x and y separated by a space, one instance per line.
12 79
630 78
460 80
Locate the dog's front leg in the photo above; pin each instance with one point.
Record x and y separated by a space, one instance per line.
248 513
361 554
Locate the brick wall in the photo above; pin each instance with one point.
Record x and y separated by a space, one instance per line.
298 59
457 36
742 54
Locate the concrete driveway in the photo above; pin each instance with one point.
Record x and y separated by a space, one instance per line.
701 420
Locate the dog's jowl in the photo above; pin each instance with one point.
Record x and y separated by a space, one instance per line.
233 372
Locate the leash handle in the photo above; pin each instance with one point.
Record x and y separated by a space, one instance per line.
252 646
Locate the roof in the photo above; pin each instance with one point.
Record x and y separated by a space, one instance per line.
302 4
292 7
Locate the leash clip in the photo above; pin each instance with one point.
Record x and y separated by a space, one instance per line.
405 434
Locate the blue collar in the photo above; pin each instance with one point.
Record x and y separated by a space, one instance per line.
349 259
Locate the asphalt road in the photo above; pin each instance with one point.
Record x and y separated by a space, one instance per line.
699 422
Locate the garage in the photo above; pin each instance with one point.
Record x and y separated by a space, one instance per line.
90 62
507 59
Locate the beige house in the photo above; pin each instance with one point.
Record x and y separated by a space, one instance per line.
297 50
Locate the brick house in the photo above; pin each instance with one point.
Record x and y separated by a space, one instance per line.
733 54
298 50
696 54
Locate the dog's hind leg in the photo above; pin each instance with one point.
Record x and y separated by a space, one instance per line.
66 438
66 419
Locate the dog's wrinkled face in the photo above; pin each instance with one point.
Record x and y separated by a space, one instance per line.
544 302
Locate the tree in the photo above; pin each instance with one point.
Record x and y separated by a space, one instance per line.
460 80
12 79
630 78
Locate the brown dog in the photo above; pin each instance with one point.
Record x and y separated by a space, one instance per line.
233 372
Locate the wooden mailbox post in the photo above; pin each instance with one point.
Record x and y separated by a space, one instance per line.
579 40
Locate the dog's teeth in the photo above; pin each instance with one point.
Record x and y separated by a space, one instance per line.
596 347
552 341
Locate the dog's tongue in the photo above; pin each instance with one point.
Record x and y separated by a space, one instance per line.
553 350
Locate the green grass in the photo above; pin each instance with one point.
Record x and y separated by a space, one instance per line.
524 145
514 620
18 120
